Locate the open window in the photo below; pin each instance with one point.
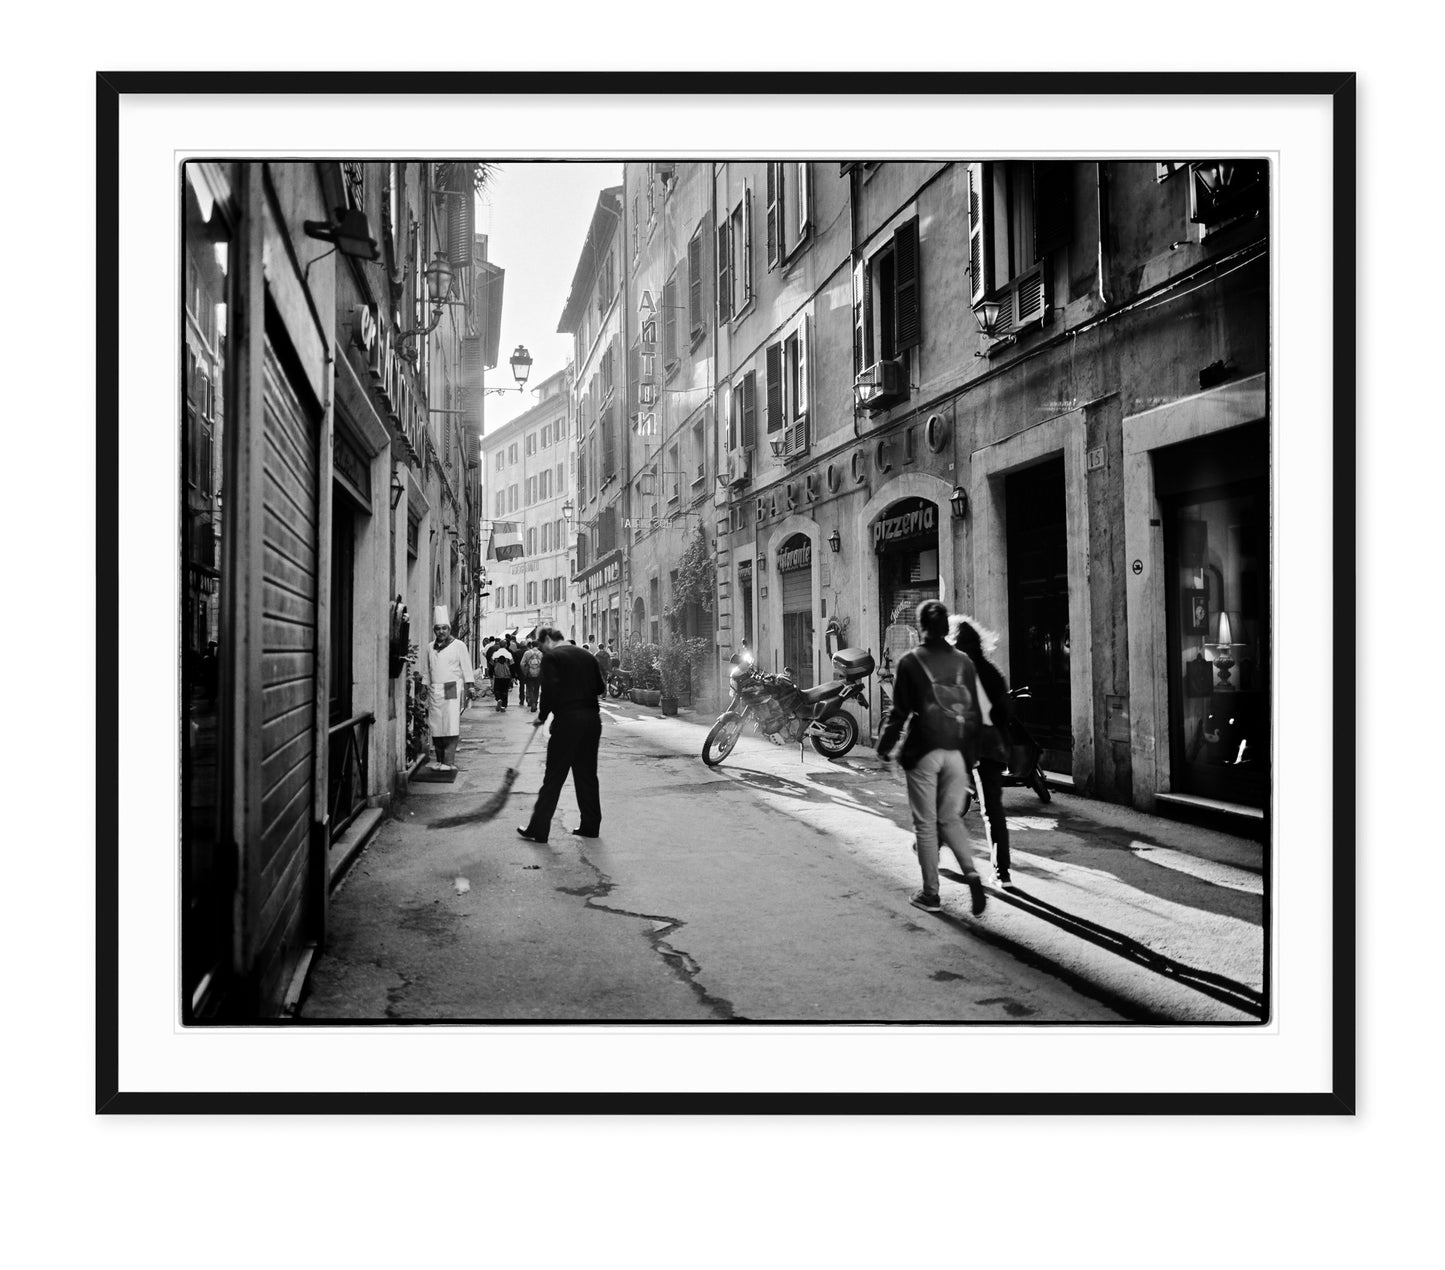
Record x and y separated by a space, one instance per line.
787 363
735 259
887 318
1018 215
789 209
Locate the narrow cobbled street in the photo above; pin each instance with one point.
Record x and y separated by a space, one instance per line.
774 888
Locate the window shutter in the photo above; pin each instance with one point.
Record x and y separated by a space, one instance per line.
803 334
634 379
747 265
669 322
733 414
980 237
775 387
609 444
775 213
694 283
1053 207
907 307
724 272
750 410
805 201
862 334
460 228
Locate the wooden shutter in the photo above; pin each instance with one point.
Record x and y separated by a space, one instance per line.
862 332
460 220
907 306
609 443
747 265
669 322
724 272
1031 298
775 387
694 283
801 406
805 201
980 235
775 213
750 410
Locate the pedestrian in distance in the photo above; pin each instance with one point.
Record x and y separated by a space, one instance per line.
449 679
531 673
604 659
502 677
936 687
572 685
973 640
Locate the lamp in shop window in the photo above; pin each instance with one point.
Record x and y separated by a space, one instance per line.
958 500
835 542
1225 628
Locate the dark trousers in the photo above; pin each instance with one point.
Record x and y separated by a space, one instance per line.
503 689
533 686
572 747
992 774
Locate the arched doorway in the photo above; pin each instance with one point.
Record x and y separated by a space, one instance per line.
639 619
795 578
904 538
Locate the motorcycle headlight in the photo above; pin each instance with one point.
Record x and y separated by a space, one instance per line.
737 672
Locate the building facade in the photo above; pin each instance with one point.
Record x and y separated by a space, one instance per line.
595 315
1038 390
529 468
325 426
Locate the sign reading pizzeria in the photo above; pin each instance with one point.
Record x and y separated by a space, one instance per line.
916 518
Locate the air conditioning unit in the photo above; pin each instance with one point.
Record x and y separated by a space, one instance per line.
738 468
880 383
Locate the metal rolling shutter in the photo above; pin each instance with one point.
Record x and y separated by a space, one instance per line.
288 667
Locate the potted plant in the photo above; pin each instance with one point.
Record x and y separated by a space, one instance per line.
675 663
639 659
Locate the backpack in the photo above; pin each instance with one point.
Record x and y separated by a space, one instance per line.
532 663
501 668
952 719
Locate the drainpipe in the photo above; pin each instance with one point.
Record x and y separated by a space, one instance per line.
1099 194
852 270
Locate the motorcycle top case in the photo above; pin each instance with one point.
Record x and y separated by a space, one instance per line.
852 663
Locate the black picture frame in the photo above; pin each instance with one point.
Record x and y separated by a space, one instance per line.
1194 611
1338 1097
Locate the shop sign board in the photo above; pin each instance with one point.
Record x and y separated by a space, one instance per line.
916 522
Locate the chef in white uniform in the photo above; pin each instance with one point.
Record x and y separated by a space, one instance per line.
450 682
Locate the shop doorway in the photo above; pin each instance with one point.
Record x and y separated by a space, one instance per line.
1038 607
795 572
905 537
1214 493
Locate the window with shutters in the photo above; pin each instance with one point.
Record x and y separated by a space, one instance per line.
699 452
888 310
636 240
735 260
531 542
1019 213
582 472
743 419
696 318
670 356
501 460
606 283
531 490
672 473
511 498
789 199
501 504
787 368
512 453
609 443
608 372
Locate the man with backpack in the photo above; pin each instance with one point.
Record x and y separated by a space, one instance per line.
936 686
531 674
502 676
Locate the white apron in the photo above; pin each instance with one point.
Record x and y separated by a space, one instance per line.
448 673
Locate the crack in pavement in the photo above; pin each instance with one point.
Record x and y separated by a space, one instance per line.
681 963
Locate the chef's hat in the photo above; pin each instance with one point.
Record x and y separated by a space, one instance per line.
440 617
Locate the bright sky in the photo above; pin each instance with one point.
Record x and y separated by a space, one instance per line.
536 217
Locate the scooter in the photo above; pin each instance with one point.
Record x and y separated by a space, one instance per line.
1024 751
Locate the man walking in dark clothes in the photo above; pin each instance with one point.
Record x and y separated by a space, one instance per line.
571 686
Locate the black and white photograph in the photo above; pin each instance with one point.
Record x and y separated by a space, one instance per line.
611 586
729 599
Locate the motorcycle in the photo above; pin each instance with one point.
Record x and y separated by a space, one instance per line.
619 683
1023 750
783 712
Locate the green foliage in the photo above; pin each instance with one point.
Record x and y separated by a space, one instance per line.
640 659
417 729
676 662
696 579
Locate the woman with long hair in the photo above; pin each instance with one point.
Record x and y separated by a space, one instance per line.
973 639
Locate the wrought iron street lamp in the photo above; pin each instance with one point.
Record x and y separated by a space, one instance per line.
521 364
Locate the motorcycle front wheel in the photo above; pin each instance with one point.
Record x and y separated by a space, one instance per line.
1040 785
840 736
722 738
614 687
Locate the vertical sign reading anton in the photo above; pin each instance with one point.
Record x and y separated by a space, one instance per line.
647 383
